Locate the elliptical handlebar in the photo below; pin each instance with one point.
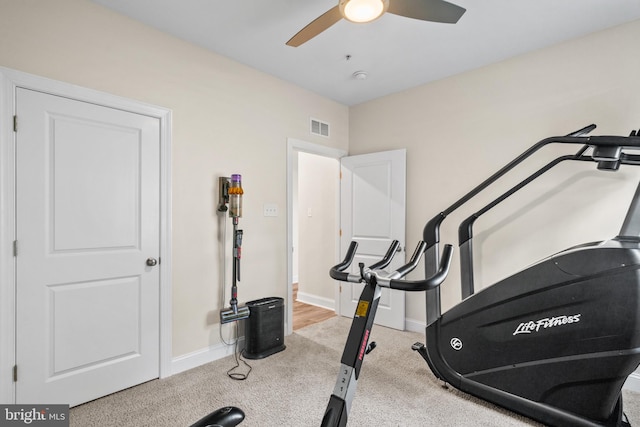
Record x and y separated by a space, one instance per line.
391 280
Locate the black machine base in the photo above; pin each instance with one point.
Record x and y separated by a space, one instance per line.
263 354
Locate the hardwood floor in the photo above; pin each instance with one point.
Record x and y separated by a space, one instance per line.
306 314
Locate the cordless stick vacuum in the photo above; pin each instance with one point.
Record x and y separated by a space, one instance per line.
231 194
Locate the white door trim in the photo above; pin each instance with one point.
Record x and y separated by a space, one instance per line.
293 147
9 81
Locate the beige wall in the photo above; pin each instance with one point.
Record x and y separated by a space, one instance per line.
460 130
227 118
317 225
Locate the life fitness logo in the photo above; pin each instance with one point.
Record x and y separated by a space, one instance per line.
456 343
546 323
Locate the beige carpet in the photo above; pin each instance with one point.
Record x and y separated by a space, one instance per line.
292 388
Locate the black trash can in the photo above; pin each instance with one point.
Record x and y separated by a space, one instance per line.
264 329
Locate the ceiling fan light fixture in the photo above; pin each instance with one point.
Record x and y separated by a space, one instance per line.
361 11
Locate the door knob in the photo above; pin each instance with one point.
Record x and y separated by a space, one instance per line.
151 262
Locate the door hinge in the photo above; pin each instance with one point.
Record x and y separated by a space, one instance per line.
15 248
15 123
15 373
340 232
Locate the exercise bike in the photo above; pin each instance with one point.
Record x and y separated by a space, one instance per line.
375 278
554 342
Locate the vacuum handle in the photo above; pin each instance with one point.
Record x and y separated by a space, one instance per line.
237 252
422 285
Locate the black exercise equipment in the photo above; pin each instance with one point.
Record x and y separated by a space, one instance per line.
229 416
357 344
554 342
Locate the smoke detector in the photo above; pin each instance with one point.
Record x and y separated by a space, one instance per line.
360 75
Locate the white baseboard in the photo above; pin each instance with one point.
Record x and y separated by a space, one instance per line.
321 302
202 356
413 325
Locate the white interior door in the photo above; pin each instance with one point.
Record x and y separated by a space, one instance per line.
87 201
372 211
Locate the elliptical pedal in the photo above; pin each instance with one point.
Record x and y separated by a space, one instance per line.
418 346
422 349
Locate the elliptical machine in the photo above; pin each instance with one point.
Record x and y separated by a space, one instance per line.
554 342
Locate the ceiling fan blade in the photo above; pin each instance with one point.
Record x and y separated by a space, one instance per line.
427 10
317 26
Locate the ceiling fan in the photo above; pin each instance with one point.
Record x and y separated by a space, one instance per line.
361 11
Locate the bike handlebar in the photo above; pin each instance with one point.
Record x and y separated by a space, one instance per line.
426 284
413 262
391 280
337 271
386 260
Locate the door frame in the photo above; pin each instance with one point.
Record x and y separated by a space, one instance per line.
294 146
10 80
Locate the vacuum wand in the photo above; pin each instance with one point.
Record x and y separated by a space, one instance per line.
231 192
237 250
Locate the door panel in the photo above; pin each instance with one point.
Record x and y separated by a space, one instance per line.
87 220
99 212
373 192
94 323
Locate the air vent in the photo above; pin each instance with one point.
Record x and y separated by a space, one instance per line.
319 128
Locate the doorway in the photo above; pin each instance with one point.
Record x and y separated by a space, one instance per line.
313 184
11 82
315 223
87 187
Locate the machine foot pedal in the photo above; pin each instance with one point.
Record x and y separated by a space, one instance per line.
370 347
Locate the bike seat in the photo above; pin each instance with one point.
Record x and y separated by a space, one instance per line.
229 416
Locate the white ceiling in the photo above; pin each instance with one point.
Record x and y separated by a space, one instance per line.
397 52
